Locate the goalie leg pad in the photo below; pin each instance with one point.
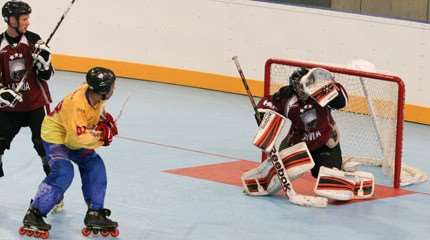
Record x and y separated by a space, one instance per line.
297 160
269 130
344 186
261 181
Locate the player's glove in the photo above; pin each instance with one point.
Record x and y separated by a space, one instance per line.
108 129
9 98
41 56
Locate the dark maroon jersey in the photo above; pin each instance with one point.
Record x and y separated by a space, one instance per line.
15 59
310 122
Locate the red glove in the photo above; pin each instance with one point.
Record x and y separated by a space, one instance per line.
106 133
108 128
108 119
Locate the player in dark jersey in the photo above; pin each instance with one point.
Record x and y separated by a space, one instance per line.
310 122
25 63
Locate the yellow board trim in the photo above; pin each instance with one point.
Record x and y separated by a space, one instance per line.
183 77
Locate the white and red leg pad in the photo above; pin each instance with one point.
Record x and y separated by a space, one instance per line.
344 186
297 160
269 129
261 180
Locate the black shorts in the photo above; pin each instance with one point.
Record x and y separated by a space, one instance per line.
11 123
327 157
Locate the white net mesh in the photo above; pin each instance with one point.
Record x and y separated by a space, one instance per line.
368 125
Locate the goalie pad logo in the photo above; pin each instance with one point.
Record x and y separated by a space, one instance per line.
285 183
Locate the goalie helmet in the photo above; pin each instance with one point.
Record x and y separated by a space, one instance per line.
16 9
295 78
297 75
100 79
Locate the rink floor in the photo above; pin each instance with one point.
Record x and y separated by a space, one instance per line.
173 174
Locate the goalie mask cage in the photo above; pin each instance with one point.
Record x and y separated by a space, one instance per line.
371 126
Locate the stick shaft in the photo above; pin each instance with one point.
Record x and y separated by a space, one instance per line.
245 84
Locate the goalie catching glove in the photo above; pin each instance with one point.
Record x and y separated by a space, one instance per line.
108 128
9 98
320 85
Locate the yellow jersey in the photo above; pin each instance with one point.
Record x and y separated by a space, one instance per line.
73 121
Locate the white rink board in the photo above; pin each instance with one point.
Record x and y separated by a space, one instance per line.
203 35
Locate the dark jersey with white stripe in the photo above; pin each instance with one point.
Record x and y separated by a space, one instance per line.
15 59
310 122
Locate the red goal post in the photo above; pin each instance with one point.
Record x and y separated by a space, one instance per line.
376 104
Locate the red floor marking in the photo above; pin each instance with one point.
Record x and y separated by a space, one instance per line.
229 173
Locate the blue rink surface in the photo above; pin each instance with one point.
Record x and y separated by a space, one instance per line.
151 204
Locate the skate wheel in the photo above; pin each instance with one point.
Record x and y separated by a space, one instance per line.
44 235
21 231
104 233
86 232
115 233
29 233
37 234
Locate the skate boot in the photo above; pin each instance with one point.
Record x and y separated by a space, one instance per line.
34 225
59 207
96 221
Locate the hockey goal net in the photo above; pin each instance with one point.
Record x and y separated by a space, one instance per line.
371 126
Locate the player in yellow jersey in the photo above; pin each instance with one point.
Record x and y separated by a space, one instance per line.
71 132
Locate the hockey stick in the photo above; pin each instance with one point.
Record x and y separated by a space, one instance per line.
122 108
245 84
281 171
59 22
21 83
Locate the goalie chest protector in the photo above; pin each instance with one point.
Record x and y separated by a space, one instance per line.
311 123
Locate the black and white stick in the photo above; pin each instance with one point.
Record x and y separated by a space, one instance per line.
245 84
21 83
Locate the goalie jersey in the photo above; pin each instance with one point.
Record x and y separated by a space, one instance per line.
73 121
310 122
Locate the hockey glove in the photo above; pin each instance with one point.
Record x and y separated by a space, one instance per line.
108 119
9 98
108 129
41 56
106 133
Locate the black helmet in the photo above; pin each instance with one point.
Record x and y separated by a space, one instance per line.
100 79
15 8
297 75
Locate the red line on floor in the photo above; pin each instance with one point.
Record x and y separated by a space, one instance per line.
179 148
